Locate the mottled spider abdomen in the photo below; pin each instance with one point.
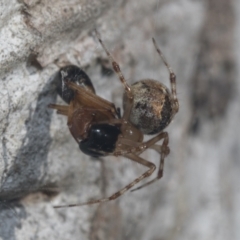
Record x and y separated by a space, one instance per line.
152 107
74 74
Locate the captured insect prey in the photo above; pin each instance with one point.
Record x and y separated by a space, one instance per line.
100 130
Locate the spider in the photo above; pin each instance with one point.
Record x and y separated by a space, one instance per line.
100 130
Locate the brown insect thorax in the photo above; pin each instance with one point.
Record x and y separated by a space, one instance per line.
152 108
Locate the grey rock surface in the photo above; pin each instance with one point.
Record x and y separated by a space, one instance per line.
40 163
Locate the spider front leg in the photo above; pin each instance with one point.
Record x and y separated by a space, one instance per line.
118 71
172 77
134 158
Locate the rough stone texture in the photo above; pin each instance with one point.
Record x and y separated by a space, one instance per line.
40 163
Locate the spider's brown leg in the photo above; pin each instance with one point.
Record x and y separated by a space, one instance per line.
172 77
134 158
151 143
116 68
139 147
164 151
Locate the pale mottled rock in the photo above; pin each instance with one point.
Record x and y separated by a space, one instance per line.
198 196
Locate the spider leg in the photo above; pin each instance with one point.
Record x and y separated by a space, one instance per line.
139 147
134 158
115 65
163 151
118 71
172 76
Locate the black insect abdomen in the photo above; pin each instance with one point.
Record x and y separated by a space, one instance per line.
101 140
74 74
